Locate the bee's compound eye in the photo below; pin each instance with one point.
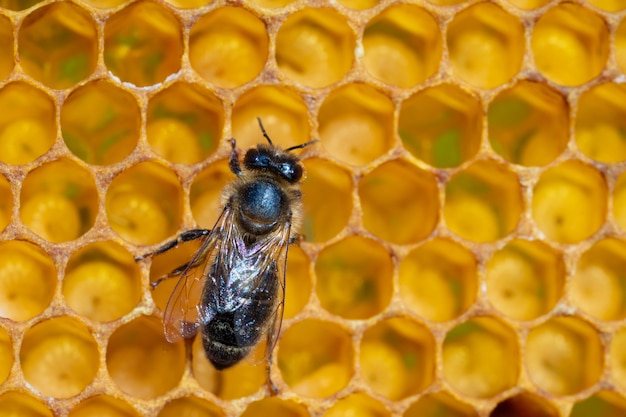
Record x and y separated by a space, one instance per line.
287 169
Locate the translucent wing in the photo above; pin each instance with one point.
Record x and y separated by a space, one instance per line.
180 319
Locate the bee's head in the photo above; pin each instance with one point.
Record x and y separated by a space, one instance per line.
275 160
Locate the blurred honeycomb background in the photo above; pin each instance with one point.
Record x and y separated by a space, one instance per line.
465 207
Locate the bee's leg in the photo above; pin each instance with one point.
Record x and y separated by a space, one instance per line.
186 236
233 164
270 384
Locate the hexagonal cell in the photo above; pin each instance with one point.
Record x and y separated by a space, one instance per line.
440 404
228 47
559 189
141 362
359 4
570 44
274 406
605 403
59 190
59 357
446 2
315 47
438 280
481 357
327 200
441 125
104 4
184 123
525 279
619 201
144 203
601 114
27 123
103 405
283 112
358 404
188 4
298 288
564 355
528 124
608 5
143 44
240 380
486 45
356 124
402 45
528 4
17 5
523 405
316 358
6 203
400 202
6 46
190 406
354 278
6 355
597 284
102 282
483 202
397 358
58 45
100 123
206 191
617 355
620 46
20 404
28 279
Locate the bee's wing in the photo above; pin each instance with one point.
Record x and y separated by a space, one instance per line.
180 319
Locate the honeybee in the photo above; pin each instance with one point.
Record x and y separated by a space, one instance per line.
232 291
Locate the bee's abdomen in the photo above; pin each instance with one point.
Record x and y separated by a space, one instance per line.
221 344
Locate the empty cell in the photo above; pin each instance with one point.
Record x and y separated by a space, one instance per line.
608 5
486 45
438 280
400 202
6 355
206 192
563 356
275 406
13 403
570 44
354 278
190 406
144 203
103 405
481 357
561 188
327 200
28 279
397 358
402 45
27 123
59 201
528 124
358 404
6 45
441 125
483 202
597 284
359 4
620 46
282 111
184 123
529 4
228 47
617 357
100 123
59 357
6 203
604 403
525 279
315 47
316 358
356 124
102 281
58 44
143 44
600 123
440 404
141 362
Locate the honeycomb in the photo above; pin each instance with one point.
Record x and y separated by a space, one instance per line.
464 208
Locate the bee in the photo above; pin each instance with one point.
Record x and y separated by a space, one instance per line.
232 291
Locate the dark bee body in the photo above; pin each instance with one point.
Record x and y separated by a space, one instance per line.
232 291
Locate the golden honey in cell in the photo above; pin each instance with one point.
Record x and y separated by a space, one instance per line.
232 291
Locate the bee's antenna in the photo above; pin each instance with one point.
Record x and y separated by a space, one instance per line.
302 145
264 132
